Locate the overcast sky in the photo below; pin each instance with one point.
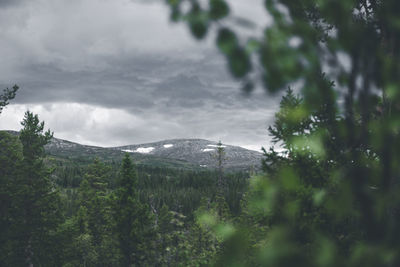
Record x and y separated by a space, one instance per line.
117 72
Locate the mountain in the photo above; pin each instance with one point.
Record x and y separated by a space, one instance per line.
176 153
199 152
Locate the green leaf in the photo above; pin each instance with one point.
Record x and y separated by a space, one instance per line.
198 22
226 41
225 231
319 197
239 63
218 9
252 46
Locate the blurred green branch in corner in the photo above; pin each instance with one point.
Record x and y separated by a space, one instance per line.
330 195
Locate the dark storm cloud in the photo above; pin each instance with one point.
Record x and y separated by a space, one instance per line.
105 88
8 3
139 83
117 88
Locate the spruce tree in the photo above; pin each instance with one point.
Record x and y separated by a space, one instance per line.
134 222
10 160
94 219
220 204
37 201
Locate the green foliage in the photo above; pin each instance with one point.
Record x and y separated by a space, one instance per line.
107 219
94 219
218 9
331 198
134 222
6 96
32 137
30 204
38 203
200 17
173 238
10 160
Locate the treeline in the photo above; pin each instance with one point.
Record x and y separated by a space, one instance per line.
181 190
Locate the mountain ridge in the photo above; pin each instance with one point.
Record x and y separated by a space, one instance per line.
192 153
198 151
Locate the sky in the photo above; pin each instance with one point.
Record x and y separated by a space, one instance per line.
118 72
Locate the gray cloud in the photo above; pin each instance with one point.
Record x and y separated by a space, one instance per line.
124 55
9 3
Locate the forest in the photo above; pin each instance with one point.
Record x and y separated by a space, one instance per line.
328 193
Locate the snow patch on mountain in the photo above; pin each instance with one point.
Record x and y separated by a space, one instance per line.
199 151
128 150
144 150
215 146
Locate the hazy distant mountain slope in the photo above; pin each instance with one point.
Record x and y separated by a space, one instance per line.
198 151
66 149
176 153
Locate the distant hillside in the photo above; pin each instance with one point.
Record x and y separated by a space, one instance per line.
199 152
176 153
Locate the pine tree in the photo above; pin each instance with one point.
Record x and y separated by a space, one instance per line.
134 222
10 161
94 219
167 241
6 96
37 200
220 202
220 164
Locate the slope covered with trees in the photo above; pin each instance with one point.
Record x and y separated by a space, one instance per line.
65 212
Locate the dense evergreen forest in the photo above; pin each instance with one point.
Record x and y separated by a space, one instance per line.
62 212
328 197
